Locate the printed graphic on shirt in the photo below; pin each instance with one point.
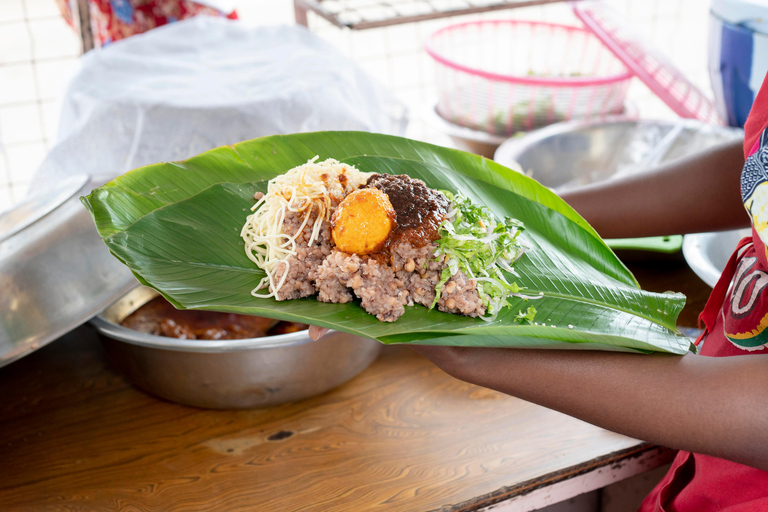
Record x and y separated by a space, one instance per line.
745 316
754 187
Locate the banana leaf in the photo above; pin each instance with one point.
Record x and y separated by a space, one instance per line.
176 225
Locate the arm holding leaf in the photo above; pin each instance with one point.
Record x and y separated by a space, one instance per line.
691 195
656 397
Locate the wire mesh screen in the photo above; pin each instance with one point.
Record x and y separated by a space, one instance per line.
366 14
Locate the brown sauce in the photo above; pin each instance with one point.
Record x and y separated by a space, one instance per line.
419 209
160 318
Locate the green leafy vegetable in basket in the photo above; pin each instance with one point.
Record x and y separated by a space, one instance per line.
178 225
517 117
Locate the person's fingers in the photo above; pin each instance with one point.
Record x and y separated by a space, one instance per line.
316 332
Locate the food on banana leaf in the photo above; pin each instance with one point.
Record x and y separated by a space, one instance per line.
331 230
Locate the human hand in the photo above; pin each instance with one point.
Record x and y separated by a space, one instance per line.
316 332
453 360
459 362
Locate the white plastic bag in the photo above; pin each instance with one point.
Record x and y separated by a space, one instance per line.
190 86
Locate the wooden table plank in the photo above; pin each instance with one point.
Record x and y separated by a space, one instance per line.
402 436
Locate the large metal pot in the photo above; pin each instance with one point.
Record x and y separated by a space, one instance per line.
229 374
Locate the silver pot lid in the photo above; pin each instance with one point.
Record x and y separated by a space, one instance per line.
55 272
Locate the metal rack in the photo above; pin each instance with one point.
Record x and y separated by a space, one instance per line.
365 14
81 19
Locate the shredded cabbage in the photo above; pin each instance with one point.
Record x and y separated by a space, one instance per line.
474 242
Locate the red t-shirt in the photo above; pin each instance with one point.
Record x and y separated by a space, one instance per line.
735 319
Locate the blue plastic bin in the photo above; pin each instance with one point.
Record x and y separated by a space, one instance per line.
738 55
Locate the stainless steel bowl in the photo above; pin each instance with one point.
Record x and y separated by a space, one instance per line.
229 374
576 153
483 143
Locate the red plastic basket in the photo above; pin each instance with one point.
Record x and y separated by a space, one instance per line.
505 76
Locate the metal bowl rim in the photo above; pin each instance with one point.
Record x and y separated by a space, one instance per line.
697 258
512 148
126 335
120 333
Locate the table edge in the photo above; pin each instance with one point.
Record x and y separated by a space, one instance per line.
507 493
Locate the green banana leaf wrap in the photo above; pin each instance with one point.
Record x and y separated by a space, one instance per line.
177 226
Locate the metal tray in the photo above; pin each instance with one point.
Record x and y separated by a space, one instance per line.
55 273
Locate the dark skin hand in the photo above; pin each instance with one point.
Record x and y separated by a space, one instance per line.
715 406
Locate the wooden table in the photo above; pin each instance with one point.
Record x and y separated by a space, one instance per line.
402 436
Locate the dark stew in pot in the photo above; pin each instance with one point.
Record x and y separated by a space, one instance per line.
160 318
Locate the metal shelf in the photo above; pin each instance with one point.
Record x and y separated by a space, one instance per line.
365 14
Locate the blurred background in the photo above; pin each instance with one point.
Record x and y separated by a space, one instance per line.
39 53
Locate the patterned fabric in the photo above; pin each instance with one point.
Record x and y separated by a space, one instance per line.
754 173
112 20
754 187
745 311
735 320
700 483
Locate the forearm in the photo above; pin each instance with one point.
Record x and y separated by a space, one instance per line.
716 406
694 194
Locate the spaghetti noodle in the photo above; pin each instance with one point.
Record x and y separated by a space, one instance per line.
312 191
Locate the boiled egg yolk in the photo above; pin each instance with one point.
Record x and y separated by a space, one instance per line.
362 221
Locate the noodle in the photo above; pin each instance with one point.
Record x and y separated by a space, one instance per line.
313 190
